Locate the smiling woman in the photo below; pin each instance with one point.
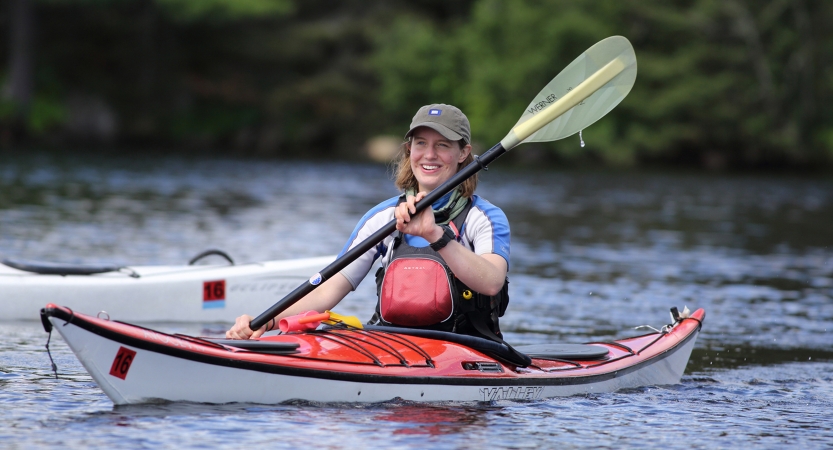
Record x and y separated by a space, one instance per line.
441 270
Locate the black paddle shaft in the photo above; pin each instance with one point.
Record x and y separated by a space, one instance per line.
479 163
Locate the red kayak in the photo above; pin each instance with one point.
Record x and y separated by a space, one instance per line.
132 364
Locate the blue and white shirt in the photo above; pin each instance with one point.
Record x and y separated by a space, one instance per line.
485 230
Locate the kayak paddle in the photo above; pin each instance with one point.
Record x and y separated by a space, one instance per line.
586 90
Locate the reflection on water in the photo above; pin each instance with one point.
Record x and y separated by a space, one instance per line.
434 420
593 255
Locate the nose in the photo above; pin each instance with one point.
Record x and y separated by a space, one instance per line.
431 151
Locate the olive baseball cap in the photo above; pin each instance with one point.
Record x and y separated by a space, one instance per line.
447 120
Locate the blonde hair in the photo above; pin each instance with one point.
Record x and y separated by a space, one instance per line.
405 178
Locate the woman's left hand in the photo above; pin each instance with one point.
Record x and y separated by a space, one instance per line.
422 224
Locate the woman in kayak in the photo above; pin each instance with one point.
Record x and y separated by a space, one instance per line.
443 270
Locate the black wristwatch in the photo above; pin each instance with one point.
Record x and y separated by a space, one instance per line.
448 236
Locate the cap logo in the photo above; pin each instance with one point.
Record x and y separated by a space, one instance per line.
435 112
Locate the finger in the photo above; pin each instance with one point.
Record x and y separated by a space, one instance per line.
402 213
410 201
244 334
236 333
240 329
417 198
401 225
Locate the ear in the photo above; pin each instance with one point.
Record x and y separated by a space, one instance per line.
464 153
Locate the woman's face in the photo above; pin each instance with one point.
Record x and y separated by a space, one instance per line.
434 159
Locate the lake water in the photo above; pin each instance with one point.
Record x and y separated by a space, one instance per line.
593 256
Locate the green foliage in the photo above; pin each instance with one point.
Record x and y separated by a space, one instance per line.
45 112
195 10
210 121
738 78
418 64
490 66
191 10
724 83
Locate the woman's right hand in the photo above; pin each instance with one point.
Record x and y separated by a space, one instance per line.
241 330
422 224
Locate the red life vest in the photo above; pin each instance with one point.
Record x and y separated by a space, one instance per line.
418 290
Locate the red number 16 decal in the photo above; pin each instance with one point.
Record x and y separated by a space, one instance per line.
214 290
124 358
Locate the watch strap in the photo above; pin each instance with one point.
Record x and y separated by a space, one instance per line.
448 236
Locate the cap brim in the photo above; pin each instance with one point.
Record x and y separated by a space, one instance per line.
442 129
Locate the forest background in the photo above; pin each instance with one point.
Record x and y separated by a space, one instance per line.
722 84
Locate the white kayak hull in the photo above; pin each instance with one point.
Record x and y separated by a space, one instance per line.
199 293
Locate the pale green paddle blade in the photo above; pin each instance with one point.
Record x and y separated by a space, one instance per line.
586 90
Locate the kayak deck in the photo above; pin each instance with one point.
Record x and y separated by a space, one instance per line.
387 350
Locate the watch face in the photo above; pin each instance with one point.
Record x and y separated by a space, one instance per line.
449 232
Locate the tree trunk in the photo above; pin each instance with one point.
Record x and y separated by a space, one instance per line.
20 84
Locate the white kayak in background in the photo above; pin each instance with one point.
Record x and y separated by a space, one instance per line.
186 293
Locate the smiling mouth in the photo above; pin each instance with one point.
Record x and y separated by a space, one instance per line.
427 167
